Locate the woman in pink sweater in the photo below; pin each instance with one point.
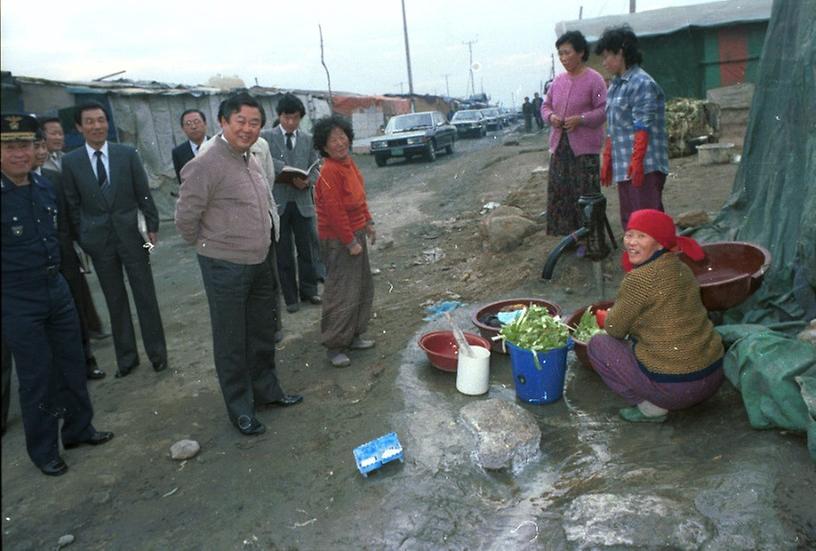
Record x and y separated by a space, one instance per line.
574 108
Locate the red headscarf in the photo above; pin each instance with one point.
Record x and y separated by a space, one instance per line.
660 227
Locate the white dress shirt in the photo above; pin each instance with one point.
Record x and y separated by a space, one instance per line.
105 159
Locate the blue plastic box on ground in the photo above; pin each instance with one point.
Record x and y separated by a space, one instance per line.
373 455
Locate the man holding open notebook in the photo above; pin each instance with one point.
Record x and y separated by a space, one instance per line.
291 148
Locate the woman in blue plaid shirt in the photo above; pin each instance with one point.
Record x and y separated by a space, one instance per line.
636 152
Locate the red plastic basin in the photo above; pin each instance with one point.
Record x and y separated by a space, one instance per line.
580 347
730 272
442 350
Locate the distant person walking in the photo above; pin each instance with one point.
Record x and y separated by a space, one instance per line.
343 223
574 108
527 110
537 102
636 153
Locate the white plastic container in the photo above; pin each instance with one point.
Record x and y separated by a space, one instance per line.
473 373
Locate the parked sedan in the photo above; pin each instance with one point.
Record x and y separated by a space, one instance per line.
493 118
469 122
414 134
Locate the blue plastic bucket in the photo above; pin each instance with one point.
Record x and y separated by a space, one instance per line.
540 384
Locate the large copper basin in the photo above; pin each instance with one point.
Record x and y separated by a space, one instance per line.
730 272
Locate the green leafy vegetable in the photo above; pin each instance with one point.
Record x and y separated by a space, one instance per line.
587 327
536 330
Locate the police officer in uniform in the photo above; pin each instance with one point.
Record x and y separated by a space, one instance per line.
40 323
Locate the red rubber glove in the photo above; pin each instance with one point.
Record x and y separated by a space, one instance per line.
635 172
600 317
606 166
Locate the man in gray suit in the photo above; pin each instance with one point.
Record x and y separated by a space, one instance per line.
54 141
105 187
292 147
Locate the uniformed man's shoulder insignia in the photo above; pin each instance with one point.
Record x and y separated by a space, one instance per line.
17 231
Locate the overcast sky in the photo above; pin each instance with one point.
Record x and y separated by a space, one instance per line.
277 42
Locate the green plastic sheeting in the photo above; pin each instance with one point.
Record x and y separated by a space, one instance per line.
773 201
773 204
776 376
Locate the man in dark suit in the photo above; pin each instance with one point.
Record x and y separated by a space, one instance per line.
70 266
105 188
194 124
291 146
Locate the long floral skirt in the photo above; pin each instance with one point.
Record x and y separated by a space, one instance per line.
569 178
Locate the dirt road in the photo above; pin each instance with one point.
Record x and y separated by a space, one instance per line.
296 487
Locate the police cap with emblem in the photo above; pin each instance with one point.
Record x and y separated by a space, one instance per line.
17 127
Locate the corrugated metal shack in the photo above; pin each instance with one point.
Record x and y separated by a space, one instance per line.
146 115
691 49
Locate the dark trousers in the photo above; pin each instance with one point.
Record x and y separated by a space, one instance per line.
296 270
528 123
136 263
41 327
76 280
6 379
242 299
348 294
647 196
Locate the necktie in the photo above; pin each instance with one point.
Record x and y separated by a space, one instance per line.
101 173
289 141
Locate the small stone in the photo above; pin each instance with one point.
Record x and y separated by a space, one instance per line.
65 541
540 170
184 449
386 244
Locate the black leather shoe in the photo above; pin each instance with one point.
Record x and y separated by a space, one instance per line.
124 372
55 467
97 438
292 308
314 299
92 370
94 373
159 366
249 426
287 400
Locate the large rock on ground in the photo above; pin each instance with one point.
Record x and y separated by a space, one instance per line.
597 521
691 219
508 436
506 232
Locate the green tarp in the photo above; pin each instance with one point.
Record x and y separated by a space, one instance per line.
773 203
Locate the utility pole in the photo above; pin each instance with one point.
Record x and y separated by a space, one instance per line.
447 88
325 67
581 13
632 6
408 58
470 44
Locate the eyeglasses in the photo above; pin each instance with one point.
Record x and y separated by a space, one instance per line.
194 122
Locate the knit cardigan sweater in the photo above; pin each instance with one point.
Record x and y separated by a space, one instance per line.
659 307
340 199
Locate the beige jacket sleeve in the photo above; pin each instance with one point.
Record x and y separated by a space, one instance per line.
260 150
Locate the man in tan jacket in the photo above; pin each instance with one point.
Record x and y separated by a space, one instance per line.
225 209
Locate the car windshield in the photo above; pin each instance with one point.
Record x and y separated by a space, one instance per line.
466 116
490 112
405 123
